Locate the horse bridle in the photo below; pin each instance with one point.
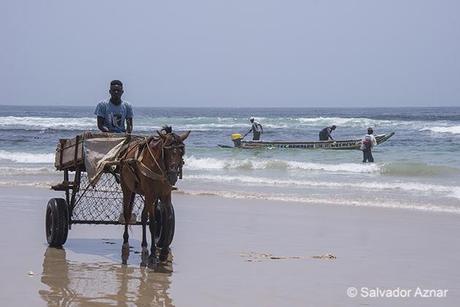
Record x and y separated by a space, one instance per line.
175 146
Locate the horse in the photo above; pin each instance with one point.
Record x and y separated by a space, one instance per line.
150 167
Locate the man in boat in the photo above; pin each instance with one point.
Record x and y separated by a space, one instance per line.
325 134
367 143
114 112
256 129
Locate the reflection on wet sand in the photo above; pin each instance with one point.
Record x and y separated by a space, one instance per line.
73 283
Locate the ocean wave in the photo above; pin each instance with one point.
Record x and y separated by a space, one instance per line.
447 191
41 123
144 123
446 129
353 122
416 169
39 184
25 157
389 169
15 171
330 201
194 163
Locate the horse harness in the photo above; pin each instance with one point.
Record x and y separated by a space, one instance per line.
135 163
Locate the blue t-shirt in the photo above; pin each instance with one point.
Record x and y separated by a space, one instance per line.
114 115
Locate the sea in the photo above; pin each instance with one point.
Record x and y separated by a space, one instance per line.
417 169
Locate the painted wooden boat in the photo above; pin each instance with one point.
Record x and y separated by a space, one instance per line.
338 144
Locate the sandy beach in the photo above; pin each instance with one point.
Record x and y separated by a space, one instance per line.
234 253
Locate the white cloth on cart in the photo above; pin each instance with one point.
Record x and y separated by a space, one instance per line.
99 153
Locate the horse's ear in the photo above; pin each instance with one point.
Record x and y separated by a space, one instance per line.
184 135
161 135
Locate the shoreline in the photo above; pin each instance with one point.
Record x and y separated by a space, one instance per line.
230 252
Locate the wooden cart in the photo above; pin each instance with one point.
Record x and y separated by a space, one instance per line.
99 204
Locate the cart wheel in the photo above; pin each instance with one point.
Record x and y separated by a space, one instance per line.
57 223
164 225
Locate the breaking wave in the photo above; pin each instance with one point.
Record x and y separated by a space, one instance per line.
41 123
451 129
390 169
450 191
320 200
25 157
144 123
40 184
194 163
13 171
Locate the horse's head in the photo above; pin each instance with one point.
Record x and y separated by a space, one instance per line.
173 152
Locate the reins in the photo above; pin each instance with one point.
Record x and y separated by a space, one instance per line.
139 156
147 142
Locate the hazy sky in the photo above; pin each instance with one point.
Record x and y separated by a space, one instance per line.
231 53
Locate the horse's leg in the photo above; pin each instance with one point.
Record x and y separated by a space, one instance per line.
153 261
127 213
128 196
164 251
145 251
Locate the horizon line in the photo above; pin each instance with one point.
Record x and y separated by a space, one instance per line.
245 107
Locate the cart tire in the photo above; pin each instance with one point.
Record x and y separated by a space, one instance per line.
164 225
57 222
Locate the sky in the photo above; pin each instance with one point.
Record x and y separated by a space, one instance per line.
234 53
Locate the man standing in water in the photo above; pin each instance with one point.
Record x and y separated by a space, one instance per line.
112 114
367 144
325 134
256 129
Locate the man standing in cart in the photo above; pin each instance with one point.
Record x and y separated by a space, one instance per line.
113 113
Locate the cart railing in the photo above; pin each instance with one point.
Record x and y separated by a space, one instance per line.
103 203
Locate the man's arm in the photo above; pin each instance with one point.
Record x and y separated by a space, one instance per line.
247 132
100 124
129 125
329 135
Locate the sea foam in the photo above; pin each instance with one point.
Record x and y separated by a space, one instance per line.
447 129
415 187
40 123
427 207
194 163
25 157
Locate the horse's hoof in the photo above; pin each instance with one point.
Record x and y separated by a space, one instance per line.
152 263
124 254
164 253
144 257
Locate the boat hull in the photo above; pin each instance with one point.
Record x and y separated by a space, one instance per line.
336 145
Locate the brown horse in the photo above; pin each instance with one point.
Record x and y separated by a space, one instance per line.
150 167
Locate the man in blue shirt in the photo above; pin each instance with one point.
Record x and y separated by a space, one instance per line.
112 114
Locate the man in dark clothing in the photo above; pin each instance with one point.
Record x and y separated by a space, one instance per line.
325 134
256 129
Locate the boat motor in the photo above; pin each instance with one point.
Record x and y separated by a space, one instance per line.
236 138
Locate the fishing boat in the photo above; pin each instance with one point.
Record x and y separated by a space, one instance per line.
338 144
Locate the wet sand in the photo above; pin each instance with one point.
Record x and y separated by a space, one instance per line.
232 253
